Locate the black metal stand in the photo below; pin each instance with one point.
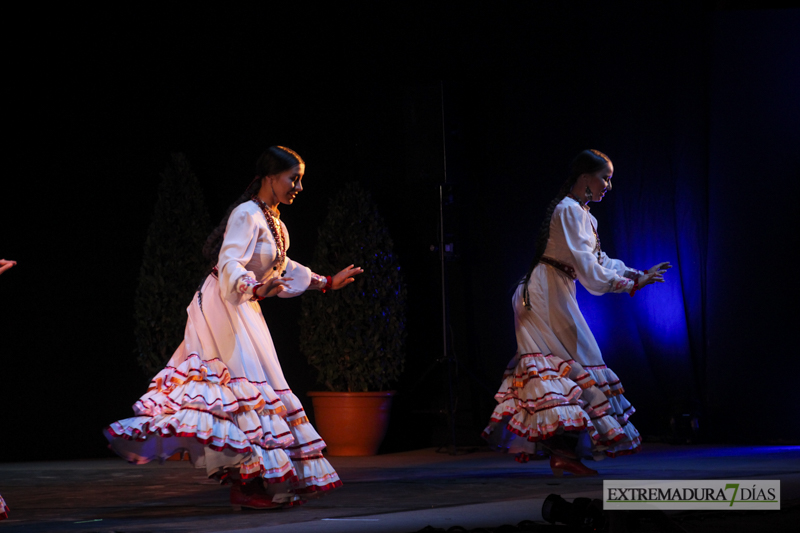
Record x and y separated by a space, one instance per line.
446 254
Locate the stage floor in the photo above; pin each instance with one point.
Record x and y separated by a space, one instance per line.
402 493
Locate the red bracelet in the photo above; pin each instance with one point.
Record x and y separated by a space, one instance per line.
635 288
328 285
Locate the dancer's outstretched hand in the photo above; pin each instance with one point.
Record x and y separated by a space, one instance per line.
345 277
652 277
272 287
663 267
5 264
654 274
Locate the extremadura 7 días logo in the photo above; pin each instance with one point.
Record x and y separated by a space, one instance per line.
692 494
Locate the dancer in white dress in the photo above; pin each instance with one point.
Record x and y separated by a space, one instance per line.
557 392
5 264
223 397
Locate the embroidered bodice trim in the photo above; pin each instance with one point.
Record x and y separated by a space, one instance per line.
274 223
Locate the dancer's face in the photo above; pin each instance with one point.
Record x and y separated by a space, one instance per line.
286 185
599 182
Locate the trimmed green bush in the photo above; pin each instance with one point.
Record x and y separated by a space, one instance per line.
172 265
355 337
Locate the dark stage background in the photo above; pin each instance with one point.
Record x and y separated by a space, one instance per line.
695 103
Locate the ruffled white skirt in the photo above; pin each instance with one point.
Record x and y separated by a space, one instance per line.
223 398
558 382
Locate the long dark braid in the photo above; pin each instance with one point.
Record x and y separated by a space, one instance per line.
588 161
214 241
274 160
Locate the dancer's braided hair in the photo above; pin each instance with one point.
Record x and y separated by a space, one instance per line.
587 162
274 160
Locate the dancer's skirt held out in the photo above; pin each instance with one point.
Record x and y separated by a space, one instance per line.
557 382
223 398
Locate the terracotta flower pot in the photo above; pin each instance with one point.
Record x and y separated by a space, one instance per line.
352 423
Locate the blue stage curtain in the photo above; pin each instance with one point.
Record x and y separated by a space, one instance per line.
753 183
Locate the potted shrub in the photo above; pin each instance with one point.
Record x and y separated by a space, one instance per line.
172 265
355 337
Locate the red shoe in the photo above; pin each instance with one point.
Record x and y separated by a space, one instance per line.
251 496
558 464
293 503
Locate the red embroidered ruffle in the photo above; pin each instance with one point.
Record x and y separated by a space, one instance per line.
228 425
537 400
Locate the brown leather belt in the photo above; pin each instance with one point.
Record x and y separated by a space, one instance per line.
563 267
